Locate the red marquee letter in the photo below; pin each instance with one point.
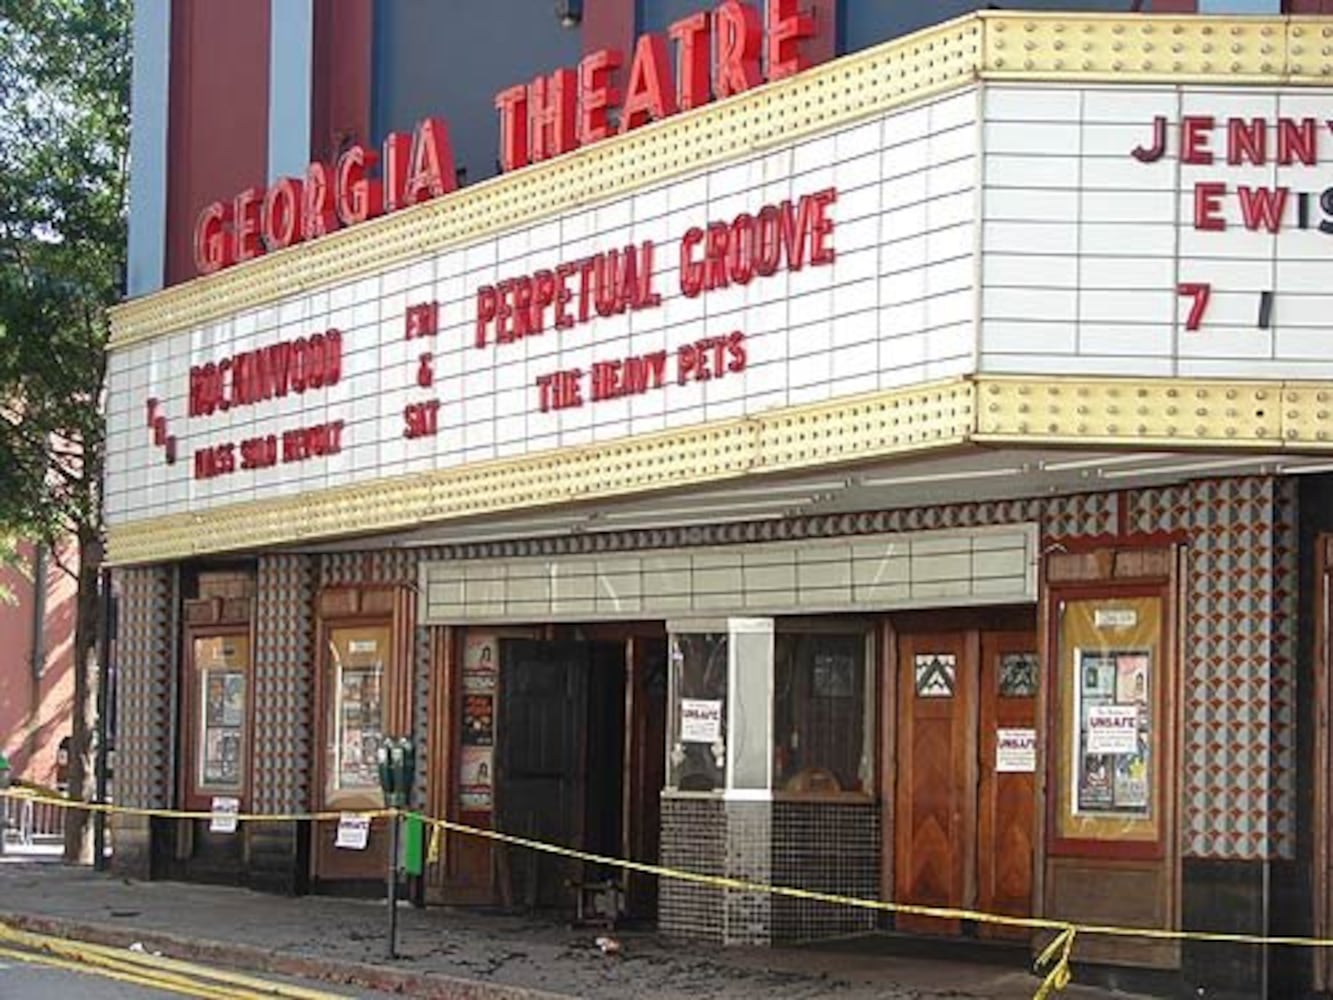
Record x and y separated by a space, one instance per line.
513 107
282 214
393 169
358 198
212 241
1207 203
692 36
1195 132
786 27
319 217
596 94
649 96
432 172
740 38
555 113
246 218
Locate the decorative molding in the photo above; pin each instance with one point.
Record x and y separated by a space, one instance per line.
1169 412
1056 47
902 421
1178 414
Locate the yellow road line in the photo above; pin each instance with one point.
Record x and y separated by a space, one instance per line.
163 969
150 982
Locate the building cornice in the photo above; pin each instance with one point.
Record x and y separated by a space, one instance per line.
1063 47
1172 414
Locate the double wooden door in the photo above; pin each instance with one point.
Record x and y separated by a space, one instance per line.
965 800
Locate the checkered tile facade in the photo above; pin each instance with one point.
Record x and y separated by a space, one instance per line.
1239 684
694 839
831 847
391 566
421 648
284 685
143 687
1238 680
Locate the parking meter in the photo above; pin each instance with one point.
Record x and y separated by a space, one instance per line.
396 763
397 766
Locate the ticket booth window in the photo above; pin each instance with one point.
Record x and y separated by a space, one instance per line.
721 683
820 706
696 761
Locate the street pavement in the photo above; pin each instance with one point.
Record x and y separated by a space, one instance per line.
472 954
25 981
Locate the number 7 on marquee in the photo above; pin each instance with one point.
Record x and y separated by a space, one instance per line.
1200 292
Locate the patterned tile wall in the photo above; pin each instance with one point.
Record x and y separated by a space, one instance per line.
421 679
1238 800
143 687
694 836
1239 743
388 566
748 916
1285 693
825 847
285 663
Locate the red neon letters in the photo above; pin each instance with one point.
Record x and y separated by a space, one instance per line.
749 49
415 168
554 114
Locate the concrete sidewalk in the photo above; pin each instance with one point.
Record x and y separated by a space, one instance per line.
469 954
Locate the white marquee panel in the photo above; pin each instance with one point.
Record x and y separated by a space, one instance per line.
897 307
1085 247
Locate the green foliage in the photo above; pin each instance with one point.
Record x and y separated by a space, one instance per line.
8 559
64 143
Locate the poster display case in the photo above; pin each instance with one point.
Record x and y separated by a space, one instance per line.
357 667
221 666
1110 712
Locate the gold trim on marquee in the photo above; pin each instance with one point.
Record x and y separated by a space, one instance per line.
1063 47
1180 414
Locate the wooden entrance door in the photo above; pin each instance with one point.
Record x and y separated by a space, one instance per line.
1006 812
936 809
540 785
645 773
965 799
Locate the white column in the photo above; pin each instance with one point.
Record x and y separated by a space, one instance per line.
149 88
290 63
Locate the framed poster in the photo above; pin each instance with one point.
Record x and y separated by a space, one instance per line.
475 768
1115 728
358 661
221 664
478 720
1108 714
481 664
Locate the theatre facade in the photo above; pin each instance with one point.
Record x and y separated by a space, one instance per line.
904 479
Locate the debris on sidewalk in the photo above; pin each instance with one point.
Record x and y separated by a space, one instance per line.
472 953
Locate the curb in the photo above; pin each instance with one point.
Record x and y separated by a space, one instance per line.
429 985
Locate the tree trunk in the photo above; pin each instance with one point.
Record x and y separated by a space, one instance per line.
83 724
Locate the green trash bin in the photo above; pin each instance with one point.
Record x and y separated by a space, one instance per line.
412 859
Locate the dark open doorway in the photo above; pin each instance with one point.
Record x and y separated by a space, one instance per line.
561 764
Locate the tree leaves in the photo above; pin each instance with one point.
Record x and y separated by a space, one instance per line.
64 142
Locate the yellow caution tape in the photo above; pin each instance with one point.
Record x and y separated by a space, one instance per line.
1052 964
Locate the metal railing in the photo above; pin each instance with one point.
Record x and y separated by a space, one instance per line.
27 822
